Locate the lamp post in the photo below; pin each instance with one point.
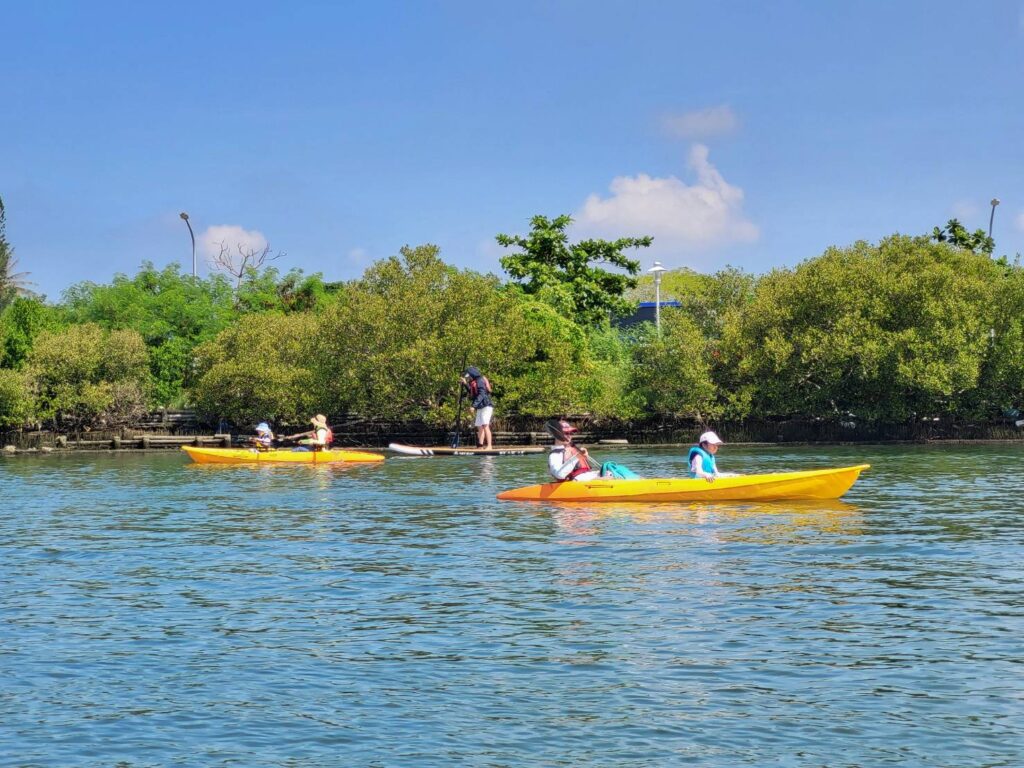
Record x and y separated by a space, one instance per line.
657 269
191 234
995 202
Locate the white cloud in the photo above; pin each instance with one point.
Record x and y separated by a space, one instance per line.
357 256
680 216
964 210
702 123
231 236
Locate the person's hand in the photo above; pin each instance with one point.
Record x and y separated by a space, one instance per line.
710 478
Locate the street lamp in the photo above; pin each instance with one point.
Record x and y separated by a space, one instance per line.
191 234
995 202
657 269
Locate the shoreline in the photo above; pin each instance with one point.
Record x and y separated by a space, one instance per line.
132 445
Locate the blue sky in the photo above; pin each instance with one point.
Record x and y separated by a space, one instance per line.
746 133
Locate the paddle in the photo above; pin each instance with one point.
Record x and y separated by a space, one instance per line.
457 435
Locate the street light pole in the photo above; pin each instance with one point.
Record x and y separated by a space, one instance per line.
192 235
657 269
995 202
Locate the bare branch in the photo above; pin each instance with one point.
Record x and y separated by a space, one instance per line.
247 259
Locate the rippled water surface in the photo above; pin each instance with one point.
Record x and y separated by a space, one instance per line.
155 612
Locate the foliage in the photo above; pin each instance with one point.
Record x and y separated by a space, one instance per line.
83 375
15 399
259 369
907 328
393 344
707 299
268 291
548 264
12 284
956 234
20 323
672 369
883 332
172 311
606 376
159 304
1001 382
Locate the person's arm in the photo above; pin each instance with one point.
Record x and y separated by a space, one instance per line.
697 467
560 467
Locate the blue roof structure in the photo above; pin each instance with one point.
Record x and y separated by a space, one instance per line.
645 313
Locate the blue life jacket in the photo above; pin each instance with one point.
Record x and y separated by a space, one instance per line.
707 461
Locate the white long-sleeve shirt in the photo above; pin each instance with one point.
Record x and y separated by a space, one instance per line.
561 468
697 467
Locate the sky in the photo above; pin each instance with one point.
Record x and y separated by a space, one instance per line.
749 134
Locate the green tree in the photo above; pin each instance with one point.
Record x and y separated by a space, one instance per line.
707 299
15 400
392 345
606 376
673 372
564 274
259 369
84 375
172 311
269 291
12 284
884 332
956 234
1001 382
20 322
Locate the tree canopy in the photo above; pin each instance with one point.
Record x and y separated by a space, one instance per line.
569 275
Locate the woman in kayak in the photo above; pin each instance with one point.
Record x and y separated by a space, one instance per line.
264 439
317 439
702 458
566 461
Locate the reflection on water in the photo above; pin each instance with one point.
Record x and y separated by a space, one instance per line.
159 613
765 522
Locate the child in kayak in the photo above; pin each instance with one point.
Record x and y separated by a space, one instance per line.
264 439
702 458
566 461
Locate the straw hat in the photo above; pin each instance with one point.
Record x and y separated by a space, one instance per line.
319 421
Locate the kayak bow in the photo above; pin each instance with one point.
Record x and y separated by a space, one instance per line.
779 486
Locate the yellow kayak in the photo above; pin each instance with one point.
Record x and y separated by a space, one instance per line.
249 455
813 484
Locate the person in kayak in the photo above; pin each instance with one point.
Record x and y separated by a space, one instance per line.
317 439
264 439
702 457
566 461
479 389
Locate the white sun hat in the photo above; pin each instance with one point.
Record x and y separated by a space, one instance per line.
710 437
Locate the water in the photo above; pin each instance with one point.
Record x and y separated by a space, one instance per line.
157 613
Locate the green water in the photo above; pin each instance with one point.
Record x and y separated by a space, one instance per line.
160 613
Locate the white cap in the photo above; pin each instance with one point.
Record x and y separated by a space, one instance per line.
710 437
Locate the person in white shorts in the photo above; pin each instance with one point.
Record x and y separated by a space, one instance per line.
480 398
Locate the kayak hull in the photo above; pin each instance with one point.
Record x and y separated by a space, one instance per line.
251 455
781 486
445 450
